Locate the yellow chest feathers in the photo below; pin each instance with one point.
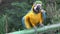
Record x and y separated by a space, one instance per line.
35 18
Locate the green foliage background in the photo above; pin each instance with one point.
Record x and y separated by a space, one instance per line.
12 12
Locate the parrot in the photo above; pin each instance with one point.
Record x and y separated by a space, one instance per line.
34 17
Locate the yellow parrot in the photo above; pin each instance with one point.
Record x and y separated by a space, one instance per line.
34 16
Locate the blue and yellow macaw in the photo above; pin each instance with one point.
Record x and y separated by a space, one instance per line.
35 16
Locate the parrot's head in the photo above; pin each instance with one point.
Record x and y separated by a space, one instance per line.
37 6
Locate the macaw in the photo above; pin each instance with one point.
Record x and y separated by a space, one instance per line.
35 16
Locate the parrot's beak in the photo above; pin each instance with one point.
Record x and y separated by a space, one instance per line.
37 8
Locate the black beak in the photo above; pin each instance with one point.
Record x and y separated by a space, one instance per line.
38 8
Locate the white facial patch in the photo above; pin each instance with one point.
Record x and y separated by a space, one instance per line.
35 6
